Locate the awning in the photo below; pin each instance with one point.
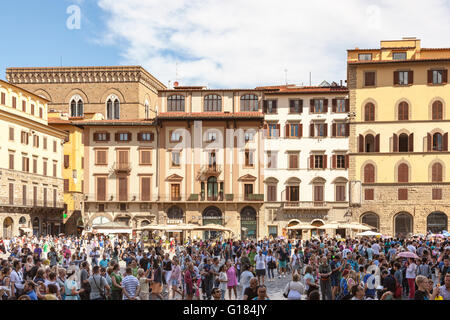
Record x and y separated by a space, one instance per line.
27 230
113 231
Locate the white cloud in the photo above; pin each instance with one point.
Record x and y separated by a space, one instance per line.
246 43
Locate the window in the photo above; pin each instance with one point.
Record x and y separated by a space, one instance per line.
341 129
24 106
273 130
55 166
123 188
293 161
273 231
270 106
24 137
3 98
11 161
55 146
369 173
101 207
340 105
369 78
45 143
101 136
436 194
399 56
113 108
340 193
436 172
369 194
249 102
123 136
319 130
403 111
45 196
40 113
76 107
249 135
25 164
272 159
32 109
175 158
341 161
319 106
271 193
36 141
403 173
146 136
145 157
293 130
437 76
403 78
318 194
248 190
211 136
212 160
292 193
175 103
11 134
364 56
249 154
437 142
175 136
145 188
44 168
101 157
437 110
66 185
11 193
101 188
14 102
213 102
319 162
34 165
24 197
369 112
175 192
403 143
295 106
402 194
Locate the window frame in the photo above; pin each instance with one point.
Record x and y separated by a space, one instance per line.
212 103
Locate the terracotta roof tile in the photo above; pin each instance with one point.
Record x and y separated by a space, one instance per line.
210 115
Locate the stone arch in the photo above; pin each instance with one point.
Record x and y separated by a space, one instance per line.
293 181
73 93
403 224
430 169
437 221
375 169
318 180
43 93
271 180
249 221
430 107
397 104
401 161
100 214
317 222
293 222
112 91
363 106
370 218
340 180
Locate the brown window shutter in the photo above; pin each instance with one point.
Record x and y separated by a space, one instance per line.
295 161
325 161
300 106
278 130
287 194
66 185
139 136
347 161
311 162
152 136
3 101
24 106
287 129
291 106
403 175
333 161
334 130
275 106
265 106
66 161
311 106
445 142
347 129
334 104
300 130
444 76
347 105
108 136
117 136
411 142
377 143
325 130
361 143
428 142
311 130
101 189
410 77
395 143
430 77
130 136
396 77
145 189
123 189
95 136
325 105
368 194
402 194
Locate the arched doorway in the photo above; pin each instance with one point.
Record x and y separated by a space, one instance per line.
80 226
212 215
36 226
371 219
317 224
437 222
403 224
100 220
248 223
293 234
8 224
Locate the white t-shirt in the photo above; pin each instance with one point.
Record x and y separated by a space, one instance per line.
245 279
376 248
260 261
222 278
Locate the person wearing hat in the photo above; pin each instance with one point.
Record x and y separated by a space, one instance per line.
71 286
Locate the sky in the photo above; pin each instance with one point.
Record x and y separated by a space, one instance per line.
214 43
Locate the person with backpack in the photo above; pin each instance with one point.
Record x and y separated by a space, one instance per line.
294 289
98 285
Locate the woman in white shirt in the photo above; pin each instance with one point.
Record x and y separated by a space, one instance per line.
411 277
294 289
260 262
223 280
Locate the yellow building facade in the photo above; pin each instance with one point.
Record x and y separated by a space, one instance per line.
399 137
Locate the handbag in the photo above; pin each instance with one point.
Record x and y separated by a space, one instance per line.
289 290
398 290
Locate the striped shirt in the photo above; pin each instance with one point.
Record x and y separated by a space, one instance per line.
130 284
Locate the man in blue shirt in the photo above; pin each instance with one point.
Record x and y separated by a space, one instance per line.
29 290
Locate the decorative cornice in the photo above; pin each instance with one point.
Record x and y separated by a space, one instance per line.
84 75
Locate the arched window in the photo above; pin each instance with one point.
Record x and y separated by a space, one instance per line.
22 220
437 110
213 102
403 111
403 143
175 213
113 108
175 103
403 173
369 112
437 222
147 110
369 173
249 102
370 143
371 219
436 172
76 107
403 225
437 142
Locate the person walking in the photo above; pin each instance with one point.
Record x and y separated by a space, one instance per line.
99 287
325 281
410 277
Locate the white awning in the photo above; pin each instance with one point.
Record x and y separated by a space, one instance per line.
113 231
26 229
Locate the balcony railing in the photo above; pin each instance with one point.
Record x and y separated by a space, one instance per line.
305 204
29 203
122 167
209 170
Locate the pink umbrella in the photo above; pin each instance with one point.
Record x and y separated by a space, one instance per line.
408 254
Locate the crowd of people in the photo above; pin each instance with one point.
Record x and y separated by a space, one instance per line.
113 268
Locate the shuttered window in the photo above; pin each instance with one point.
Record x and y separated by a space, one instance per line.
270 106
318 193
32 109
369 173
11 193
24 106
340 193
3 100
436 172
123 188
437 110
293 161
369 112
146 157
402 194
369 194
369 78
175 192
45 197
296 106
403 111
66 161
271 193
437 194
24 195
34 165
101 157
40 113
145 188
11 134
123 156
14 102
11 161
403 174
55 197
66 185
101 188
44 169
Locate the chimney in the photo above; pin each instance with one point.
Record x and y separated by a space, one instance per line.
176 84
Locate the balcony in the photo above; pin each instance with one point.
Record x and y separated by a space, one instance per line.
209 170
122 167
306 205
29 205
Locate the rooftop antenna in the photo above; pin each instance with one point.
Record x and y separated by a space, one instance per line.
310 79
176 71
60 61
285 75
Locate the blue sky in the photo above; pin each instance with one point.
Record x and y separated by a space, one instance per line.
221 44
